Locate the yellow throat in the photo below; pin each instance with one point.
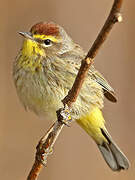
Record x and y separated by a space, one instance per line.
31 48
31 54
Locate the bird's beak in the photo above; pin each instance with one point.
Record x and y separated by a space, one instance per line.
26 35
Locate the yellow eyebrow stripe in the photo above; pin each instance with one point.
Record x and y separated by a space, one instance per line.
43 37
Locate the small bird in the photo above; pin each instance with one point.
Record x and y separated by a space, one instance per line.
44 72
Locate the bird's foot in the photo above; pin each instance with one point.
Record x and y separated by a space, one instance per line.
64 116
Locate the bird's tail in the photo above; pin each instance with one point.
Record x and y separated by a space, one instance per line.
112 154
93 124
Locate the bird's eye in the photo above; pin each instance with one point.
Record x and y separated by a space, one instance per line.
47 42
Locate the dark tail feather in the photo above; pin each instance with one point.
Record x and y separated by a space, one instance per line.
112 154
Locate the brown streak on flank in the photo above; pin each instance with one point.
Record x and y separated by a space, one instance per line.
44 28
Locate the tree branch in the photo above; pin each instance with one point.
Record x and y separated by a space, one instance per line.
46 143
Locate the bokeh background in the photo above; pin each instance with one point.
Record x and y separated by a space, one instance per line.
75 154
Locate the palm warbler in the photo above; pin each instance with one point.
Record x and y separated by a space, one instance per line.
44 72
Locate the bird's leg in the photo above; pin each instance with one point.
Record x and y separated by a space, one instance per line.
64 116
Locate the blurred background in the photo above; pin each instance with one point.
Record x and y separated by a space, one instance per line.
75 154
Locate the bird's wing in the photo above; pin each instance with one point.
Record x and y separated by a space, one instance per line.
108 90
77 54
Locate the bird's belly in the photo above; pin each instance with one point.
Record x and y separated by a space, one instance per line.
43 95
37 95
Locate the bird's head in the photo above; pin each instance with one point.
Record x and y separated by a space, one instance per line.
46 39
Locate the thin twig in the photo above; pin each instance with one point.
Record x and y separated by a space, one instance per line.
44 148
46 143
